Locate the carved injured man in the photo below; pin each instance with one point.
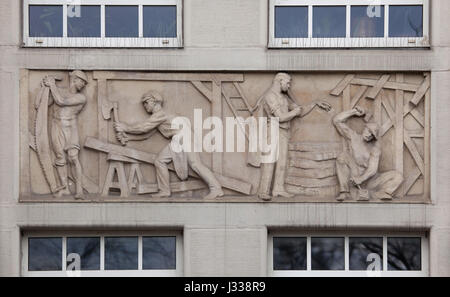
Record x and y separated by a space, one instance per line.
68 103
162 121
359 164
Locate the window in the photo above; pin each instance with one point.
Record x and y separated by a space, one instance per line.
348 23
102 254
355 254
102 23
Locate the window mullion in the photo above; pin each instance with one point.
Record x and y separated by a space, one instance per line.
102 253
65 21
386 21
310 21
140 252
347 21
64 253
141 21
385 254
308 253
102 21
346 254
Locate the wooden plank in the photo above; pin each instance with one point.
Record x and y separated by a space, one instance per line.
311 182
309 164
312 173
176 187
362 90
203 90
388 85
217 111
102 129
342 85
161 76
226 182
315 147
113 157
399 127
315 192
418 116
414 152
421 91
387 106
87 184
373 93
314 156
427 144
386 127
410 180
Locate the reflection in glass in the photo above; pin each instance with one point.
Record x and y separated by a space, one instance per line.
367 21
327 253
88 249
45 254
405 21
121 253
45 21
84 22
122 21
289 253
404 253
160 21
159 252
329 21
291 21
361 248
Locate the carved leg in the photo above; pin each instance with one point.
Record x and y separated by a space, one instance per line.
62 174
280 167
76 172
266 181
162 172
206 175
385 185
343 175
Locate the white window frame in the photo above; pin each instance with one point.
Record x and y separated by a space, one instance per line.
103 41
347 272
348 41
140 272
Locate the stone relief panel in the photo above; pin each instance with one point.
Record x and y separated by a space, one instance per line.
93 136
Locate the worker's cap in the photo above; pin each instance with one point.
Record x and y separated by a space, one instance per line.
153 96
374 129
80 74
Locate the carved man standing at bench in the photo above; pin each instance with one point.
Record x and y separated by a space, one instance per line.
162 121
359 164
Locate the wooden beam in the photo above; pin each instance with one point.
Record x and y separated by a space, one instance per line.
226 182
311 182
309 164
176 187
373 93
203 90
421 91
342 85
388 85
362 90
315 147
312 173
399 127
161 76
314 156
414 152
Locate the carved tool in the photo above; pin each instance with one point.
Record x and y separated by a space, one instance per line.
107 107
363 194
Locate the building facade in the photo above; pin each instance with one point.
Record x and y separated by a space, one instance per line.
90 174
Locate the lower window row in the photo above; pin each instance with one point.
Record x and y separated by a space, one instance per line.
161 254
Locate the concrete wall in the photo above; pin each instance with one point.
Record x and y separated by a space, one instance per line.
224 239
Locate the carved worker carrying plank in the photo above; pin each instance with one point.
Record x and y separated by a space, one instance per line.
162 121
67 104
359 164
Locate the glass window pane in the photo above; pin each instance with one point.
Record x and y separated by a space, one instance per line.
327 254
404 253
159 252
291 21
121 253
367 21
88 249
364 252
329 21
46 20
83 21
45 254
122 21
289 253
405 21
160 21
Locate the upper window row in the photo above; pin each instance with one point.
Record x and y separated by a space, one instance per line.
348 23
293 23
102 23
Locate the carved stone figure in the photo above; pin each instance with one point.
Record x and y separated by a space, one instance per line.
67 104
278 102
358 164
162 121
